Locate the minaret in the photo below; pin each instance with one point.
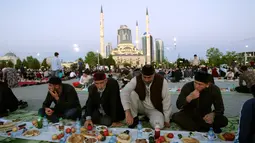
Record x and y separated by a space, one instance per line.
148 39
137 36
102 48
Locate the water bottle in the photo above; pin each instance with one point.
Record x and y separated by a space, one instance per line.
113 139
45 124
139 130
211 135
78 126
157 130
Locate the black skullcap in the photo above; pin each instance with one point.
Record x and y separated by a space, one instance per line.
55 80
99 76
148 70
202 76
87 71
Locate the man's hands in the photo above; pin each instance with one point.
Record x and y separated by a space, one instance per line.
193 95
209 118
88 122
167 124
48 111
54 94
129 117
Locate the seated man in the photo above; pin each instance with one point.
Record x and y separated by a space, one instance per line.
103 105
67 104
8 101
147 94
195 102
246 133
249 78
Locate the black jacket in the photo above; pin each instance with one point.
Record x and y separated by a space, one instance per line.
110 101
67 100
202 105
8 100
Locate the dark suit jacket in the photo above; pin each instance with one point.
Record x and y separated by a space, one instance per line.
8 100
110 101
67 100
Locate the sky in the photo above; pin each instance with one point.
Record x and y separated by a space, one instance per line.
28 27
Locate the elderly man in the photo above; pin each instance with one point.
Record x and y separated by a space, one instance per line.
147 94
195 102
103 105
67 104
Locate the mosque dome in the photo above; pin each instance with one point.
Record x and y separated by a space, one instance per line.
10 54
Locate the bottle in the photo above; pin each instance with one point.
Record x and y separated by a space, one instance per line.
61 125
157 130
39 122
78 126
211 135
113 139
139 130
45 124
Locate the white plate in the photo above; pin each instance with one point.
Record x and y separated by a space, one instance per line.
101 128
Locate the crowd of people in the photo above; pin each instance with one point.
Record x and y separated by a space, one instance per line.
144 92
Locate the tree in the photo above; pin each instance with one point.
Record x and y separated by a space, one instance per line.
18 64
183 62
214 56
91 59
2 64
229 57
110 61
35 64
24 62
45 64
10 64
74 67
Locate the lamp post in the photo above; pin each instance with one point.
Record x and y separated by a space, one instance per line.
245 55
98 59
175 42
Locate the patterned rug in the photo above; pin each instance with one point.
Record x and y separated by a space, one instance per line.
28 116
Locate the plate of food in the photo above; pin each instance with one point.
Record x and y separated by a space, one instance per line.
91 140
91 134
124 137
31 133
227 136
189 140
76 138
100 128
141 141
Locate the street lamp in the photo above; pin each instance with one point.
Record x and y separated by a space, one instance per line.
245 55
76 48
175 42
98 59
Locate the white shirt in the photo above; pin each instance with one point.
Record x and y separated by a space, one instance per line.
84 80
167 106
56 64
72 74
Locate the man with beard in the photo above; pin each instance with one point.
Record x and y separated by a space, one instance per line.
65 98
195 102
147 94
103 105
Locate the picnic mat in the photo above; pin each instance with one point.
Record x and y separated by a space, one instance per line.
28 116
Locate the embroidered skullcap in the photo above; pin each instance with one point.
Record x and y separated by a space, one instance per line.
99 76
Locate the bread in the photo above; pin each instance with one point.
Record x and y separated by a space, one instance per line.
189 140
124 138
76 138
31 133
